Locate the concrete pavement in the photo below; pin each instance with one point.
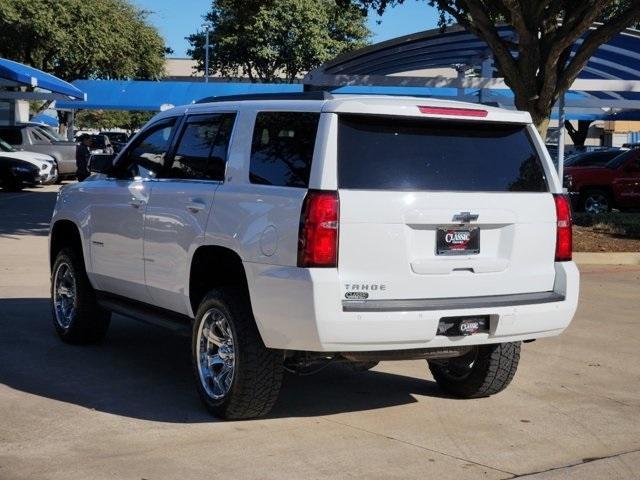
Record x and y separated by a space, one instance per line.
128 408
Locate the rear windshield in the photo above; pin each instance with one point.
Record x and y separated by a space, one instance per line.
399 153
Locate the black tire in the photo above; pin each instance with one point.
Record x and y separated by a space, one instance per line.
10 184
88 322
484 371
361 366
257 370
595 199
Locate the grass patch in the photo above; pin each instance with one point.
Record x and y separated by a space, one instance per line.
622 224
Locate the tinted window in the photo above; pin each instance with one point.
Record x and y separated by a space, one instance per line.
119 137
145 158
12 136
282 148
591 159
622 159
202 149
396 153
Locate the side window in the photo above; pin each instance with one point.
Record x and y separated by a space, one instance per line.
202 150
282 148
39 136
145 157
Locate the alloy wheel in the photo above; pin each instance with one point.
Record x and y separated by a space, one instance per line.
596 203
64 301
216 354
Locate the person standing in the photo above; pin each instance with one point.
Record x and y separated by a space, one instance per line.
83 152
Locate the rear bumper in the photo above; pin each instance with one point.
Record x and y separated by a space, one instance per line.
301 309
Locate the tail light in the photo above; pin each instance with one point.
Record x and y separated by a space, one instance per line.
318 238
564 240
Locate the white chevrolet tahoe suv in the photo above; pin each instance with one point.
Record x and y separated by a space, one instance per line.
285 232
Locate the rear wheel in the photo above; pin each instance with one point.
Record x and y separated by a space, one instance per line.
237 376
596 201
484 371
77 317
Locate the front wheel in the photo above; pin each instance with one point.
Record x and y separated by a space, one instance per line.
484 371
77 317
595 202
237 376
11 184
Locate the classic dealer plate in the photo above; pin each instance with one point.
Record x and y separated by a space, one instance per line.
457 240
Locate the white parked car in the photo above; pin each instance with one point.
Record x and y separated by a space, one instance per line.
285 232
45 163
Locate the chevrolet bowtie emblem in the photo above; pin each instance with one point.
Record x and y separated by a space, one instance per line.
465 217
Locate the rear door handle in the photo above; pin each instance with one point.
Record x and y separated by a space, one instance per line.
195 206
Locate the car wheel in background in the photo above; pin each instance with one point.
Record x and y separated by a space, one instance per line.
595 201
10 184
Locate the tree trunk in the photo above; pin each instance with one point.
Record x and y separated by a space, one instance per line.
542 125
579 135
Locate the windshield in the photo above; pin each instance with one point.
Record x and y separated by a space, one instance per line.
5 147
619 160
591 159
396 153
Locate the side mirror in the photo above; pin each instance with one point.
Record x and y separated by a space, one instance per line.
101 163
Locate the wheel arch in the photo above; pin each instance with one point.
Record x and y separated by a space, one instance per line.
64 233
214 266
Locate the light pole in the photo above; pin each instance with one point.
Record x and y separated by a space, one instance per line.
206 54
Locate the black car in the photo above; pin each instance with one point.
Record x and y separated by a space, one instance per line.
17 174
598 158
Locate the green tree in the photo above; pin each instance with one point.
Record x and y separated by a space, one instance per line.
539 67
107 119
277 40
75 39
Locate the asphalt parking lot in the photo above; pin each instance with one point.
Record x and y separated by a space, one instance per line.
128 409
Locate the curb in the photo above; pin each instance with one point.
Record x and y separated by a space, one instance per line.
607 258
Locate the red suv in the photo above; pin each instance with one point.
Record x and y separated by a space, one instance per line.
597 189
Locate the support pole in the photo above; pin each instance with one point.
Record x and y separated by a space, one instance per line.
460 80
71 125
206 55
561 133
486 71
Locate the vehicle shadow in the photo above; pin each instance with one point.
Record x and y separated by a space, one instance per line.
144 372
27 212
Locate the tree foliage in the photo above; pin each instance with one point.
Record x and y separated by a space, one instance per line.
276 40
75 39
107 119
538 67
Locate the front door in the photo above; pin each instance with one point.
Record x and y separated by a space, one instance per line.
179 207
627 185
118 206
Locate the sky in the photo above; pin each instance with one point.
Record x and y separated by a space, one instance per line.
176 20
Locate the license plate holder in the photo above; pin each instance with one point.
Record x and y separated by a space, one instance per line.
457 240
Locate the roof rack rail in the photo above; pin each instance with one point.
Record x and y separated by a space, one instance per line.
312 95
